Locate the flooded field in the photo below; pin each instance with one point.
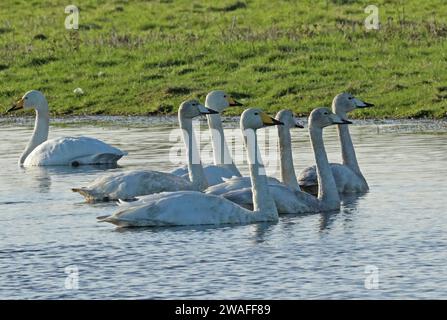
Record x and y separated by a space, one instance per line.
396 233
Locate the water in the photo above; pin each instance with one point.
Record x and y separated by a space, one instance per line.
398 229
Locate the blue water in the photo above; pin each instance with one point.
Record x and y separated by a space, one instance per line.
398 229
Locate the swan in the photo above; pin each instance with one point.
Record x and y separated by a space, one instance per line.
287 171
128 185
223 167
288 200
62 151
348 177
196 208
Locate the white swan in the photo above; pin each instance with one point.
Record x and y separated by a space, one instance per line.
287 171
289 201
64 151
348 177
196 208
128 185
223 166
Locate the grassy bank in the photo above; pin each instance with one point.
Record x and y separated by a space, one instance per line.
145 57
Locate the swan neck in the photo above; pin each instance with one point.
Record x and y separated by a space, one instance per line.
287 168
327 189
40 133
262 200
347 149
195 168
221 153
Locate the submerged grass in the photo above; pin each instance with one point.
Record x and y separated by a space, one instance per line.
144 57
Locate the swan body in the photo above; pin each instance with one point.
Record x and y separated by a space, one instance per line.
64 151
128 185
348 177
214 174
235 183
182 208
223 166
238 190
73 151
195 208
288 199
347 181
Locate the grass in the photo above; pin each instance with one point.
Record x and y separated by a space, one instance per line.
140 57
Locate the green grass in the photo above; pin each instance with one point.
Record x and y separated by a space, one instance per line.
145 57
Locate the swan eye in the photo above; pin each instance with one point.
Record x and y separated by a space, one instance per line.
256 113
326 113
225 96
350 98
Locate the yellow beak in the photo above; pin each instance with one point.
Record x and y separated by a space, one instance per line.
269 121
16 106
233 103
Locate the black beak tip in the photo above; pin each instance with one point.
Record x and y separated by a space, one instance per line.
211 111
11 109
347 122
236 104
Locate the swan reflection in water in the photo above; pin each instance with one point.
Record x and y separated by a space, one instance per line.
40 177
349 203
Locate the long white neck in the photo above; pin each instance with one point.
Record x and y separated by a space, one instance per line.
262 200
327 189
195 169
347 149
40 133
287 169
221 153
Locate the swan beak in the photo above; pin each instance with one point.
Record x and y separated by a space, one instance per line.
362 104
269 121
205 110
16 106
233 103
336 119
343 121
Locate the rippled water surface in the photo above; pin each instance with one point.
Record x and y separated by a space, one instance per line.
398 229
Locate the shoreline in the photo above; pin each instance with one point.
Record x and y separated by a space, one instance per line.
228 121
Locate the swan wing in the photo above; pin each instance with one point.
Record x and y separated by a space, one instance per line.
73 151
180 171
347 180
286 200
229 185
181 209
214 174
236 183
129 185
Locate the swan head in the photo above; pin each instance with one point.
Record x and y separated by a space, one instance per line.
254 118
288 118
190 109
346 102
323 117
31 100
219 100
